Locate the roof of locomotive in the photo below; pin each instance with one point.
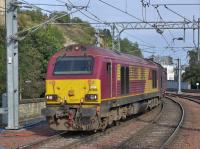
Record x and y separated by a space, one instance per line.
106 53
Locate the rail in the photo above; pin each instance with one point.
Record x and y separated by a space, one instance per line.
169 140
37 143
74 140
193 98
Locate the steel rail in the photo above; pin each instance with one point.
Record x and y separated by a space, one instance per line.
40 142
171 137
145 130
107 131
156 118
193 98
86 138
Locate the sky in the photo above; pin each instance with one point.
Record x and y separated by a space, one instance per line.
145 38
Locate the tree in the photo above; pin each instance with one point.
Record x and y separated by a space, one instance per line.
38 46
62 17
129 47
106 38
34 53
2 61
192 73
82 33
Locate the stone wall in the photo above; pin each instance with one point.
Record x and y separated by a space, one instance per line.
29 111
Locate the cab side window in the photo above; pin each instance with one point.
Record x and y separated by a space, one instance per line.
154 79
108 66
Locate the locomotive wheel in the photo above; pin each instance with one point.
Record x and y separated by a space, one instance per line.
104 123
117 123
94 123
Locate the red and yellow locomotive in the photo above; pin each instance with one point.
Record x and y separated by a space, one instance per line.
89 88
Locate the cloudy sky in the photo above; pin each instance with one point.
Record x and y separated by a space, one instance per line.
148 40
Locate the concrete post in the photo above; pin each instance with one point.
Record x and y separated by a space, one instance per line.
179 76
12 64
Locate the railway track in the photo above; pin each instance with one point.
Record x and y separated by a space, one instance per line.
188 97
75 139
157 133
57 141
189 135
161 132
38 143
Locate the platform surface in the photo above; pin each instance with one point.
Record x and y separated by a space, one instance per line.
15 138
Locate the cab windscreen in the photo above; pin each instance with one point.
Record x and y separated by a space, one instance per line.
73 65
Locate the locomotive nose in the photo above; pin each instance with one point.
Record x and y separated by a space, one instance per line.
74 91
71 93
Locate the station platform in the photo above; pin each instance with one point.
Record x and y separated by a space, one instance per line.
15 138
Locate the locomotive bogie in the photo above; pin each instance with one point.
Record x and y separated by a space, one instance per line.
88 119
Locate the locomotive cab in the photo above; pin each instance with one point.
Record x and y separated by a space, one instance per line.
73 89
72 79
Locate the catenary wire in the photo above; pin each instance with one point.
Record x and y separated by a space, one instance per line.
177 13
132 16
156 7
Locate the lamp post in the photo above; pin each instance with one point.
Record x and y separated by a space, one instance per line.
179 68
179 38
179 76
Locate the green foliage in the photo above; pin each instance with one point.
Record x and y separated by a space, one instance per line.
37 47
76 20
2 61
192 73
29 18
81 33
106 38
126 45
34 53
62 17
130 48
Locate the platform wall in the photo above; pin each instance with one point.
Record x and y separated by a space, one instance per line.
29 111
173 85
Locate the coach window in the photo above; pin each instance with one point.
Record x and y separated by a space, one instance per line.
154 79
127 80
108 68
124 80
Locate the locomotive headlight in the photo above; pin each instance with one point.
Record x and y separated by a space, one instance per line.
52 97
92 88
91 97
